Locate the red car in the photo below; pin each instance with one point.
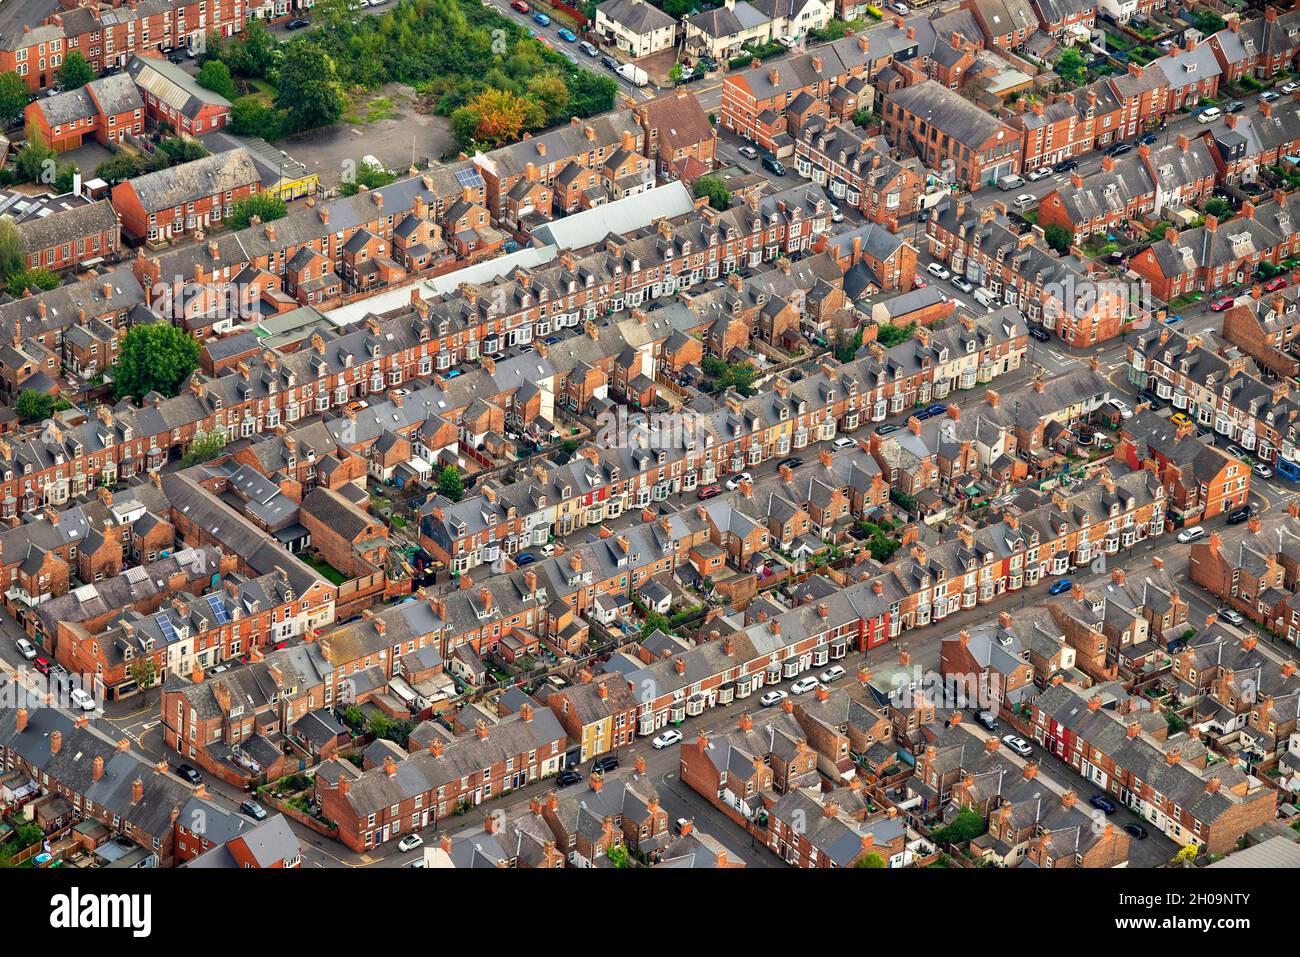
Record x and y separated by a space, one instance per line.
521 6
1221 304
1276 283
708 491
42 665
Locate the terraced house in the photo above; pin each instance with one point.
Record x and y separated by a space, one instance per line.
183 199
859 171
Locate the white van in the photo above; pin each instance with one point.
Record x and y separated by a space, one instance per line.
985 298
1008 183
1209 114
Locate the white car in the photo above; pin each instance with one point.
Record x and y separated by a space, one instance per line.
548 549
837 216
772 697
26 648
1262 470
935 269
1191 534
1290 87
804 685
1025 200
899 8
1209 114
833 673
843 442
1018 745
410 843
1125 412
748 152
787 42
1041 173
733 483
82 700
667 739
1230 615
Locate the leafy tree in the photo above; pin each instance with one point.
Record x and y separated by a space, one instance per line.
75 72
368 175
13 255
257 52
590 94
33 406
1207 21
121 167
266 206
676 74
714 188
156 357
865 118
65 177
214 48
204 448
175 150
1058 237
1218 208
551 93
966 825
29 833
36 161
38 278
871 860
464 126
253 116
890 335
654 622
450 484
307 87
501 116
1186 855
738 376
215 76
13 97
1071 67
143 673
618 856
846 345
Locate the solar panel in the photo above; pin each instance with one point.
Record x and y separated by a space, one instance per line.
165 623
469 177
218 608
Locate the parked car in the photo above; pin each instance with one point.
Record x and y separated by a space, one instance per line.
1270 96
733 483
1148 140
1025 200
1018 745
961 282
837 216
833 673
938 270
1102 803
1209 114
548 550
42 665
1172 318
786 41
1151 399
605 763
609 63
988 719
253 810
748 152
1041 173
1290 87
1262 470
1219 305
567 777
1119 149
708 491
410 843
1039 333
1240 515
1274 284
772 697
1180 418
1236 451
541 19
521 6
1230 615
567 35
844 442
1236 106
1060 587
588 49
1136 830
1122 407
1191 534
1066 166
886 428
937 409
773 165
667 739
297 23
25 648
804 685
190 774
82 699
793 462
525 558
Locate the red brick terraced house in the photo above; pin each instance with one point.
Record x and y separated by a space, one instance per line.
183 199
1259 48
858 171
72 237
1244 143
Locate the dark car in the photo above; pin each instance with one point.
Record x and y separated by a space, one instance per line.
1040 334
774 165
567 777
605 764
189 774
793 462
1148 140
886 429
1242 514
1151 399
1119 149
1066 166
609 63
253 810
525 558
297 24
176 57
1102 803
1236 106
1137 830
1060 587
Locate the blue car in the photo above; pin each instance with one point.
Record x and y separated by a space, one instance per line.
1063 585
525 558
552 340
567 35
1170 320
937 409
541 19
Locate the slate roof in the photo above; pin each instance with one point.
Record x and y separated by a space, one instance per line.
195 180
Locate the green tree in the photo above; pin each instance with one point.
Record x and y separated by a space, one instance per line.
450 484
75 72
144 674
121 167
1207 21
156 357
38 278
1219 208
35 161
175 150
29 833
214 48
676 74
1058 237
966 825
847 345
871 860
204 447
715 189
618 856
266 206
33 406
307 87
13 255
253 116
590 94
13 97
552 94
258 50
368 175
215 76
1071 67
65 177
464 126
890 335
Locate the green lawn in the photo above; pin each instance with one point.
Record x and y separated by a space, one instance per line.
331 573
